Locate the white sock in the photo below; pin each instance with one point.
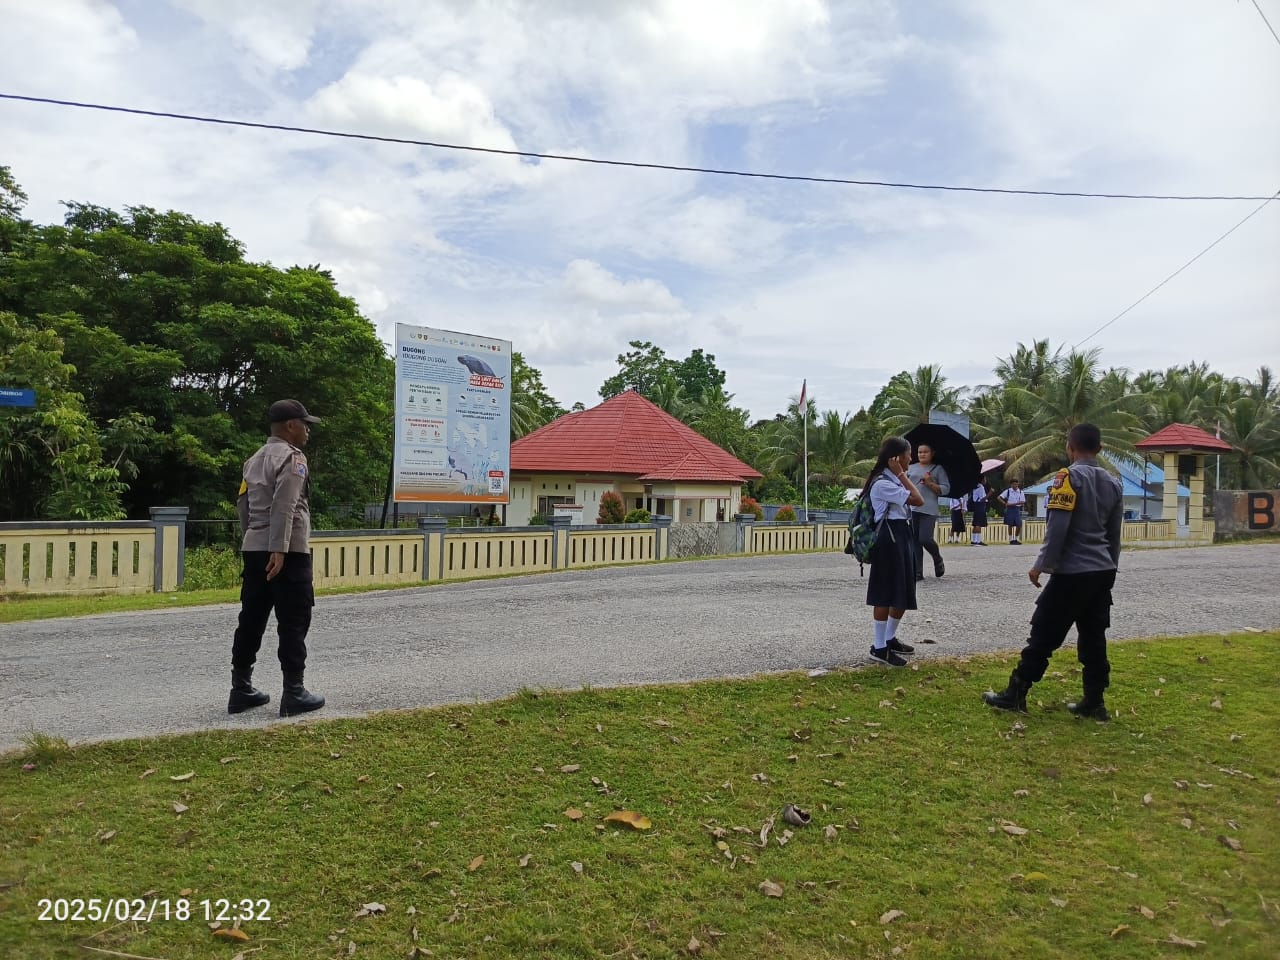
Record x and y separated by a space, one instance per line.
881 640
891 628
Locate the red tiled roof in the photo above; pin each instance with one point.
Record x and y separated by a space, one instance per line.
626 435
1181 436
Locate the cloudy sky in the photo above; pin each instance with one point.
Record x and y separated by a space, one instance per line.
842 285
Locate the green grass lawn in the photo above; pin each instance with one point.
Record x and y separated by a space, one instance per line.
994 835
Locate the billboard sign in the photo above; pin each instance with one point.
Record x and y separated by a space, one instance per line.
453 417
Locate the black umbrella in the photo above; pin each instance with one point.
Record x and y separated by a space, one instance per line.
952 451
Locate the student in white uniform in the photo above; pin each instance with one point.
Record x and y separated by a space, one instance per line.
1014 500
891 587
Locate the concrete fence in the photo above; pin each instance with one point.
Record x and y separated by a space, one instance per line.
141 556
126 556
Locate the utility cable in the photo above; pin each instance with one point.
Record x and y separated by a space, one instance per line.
1265 20
1179 270
618 163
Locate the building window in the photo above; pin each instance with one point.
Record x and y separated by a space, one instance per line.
546 505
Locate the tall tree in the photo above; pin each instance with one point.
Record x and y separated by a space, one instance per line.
162 318
910 397
531 405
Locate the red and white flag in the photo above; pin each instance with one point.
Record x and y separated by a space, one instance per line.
804 389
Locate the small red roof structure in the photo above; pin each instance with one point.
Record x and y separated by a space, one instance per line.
626 435
1183 437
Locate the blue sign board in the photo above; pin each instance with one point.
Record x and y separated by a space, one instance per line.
17 397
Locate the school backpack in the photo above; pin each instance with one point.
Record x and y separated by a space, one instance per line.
863 531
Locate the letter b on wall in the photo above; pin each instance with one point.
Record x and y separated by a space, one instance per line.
1241 513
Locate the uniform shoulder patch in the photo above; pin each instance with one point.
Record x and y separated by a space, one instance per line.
244 488
1062 496
300 466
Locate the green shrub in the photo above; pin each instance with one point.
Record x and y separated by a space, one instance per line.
538 520
612 509
786 515
638 516
211 568
750 506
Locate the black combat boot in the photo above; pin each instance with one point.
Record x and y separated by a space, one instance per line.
1013 697
1090 707
297 698
244 696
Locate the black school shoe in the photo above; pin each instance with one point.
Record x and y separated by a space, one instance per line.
887 657
897 646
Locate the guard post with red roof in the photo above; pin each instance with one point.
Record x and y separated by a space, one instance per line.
1184 448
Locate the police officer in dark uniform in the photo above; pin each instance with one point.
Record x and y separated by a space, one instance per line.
1084 514
275 521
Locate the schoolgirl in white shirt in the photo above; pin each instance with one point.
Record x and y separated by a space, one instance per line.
891 587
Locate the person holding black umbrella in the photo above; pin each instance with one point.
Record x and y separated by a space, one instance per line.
932 481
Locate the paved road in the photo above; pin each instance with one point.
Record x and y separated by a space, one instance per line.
143 674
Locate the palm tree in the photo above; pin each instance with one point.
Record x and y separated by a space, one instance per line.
1029 367
912 396
833 450
1074 394
1251 424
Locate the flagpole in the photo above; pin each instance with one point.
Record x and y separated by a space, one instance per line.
804 400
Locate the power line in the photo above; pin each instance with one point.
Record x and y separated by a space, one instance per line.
617 163
1265 20
1178 271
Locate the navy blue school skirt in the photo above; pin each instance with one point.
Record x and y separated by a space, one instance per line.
892 582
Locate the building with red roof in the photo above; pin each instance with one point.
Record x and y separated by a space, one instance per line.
632 447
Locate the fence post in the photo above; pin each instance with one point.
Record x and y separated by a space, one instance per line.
433 533
559 541
661 537
170 525
742 533
819 520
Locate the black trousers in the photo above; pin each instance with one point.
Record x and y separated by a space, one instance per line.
922 525
1082 600
290 594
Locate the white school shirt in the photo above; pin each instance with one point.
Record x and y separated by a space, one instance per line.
889 498
1014 498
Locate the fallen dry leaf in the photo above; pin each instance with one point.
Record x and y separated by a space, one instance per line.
1119 930
106 836
1186 822
231 933
228 759
573 813
770 889
1147 912
180 807
1013 829
146 773
1057 902
1216 704
363 778
830 832
1178 941
475 864
524 861
661 723
571 768
577 866
1022 793
1147 799
1230 842
1181 784
891 915
183 777
636 821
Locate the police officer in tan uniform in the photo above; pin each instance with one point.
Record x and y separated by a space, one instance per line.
1084 516
275 521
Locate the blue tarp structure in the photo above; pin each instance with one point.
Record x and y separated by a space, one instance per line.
1131 475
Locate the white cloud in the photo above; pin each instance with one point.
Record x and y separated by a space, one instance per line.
781 281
